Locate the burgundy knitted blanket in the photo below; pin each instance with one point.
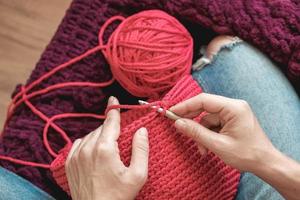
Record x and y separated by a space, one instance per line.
272 26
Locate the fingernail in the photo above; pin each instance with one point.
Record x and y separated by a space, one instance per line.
111 99
143 131
179 123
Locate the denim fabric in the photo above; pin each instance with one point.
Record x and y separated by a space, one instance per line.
13 187
243 72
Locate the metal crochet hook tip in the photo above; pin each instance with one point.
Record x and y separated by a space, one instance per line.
168 113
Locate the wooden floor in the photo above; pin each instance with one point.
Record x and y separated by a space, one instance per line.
26 26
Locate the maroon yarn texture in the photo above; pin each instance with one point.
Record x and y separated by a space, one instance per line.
271 26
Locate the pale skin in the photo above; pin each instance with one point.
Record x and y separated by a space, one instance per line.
94 168
229 129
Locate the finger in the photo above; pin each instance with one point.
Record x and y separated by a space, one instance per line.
210 121
140 153
208 102
111 125
193 114
199 133
90 140
97 132
85 141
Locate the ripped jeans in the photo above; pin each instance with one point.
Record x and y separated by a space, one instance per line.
240 71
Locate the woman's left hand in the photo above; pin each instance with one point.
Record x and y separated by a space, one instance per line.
94 168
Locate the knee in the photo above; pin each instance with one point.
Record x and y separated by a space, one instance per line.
214 47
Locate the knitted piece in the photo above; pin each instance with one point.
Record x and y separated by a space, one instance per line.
273 26
176 168
58 169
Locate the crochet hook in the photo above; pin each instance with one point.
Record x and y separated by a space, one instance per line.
168 113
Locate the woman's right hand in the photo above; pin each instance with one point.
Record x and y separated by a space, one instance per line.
230 130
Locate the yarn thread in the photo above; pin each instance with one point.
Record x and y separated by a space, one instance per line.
204 178
176 168
142 47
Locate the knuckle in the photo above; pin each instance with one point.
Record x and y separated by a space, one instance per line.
226 145
194 132
218 143
243 106
140 176
201 95
244 103
83 154
142 148
77 141
103 149
121 172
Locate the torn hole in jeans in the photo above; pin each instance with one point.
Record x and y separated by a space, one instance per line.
210 51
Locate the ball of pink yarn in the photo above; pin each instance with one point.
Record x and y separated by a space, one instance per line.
148 53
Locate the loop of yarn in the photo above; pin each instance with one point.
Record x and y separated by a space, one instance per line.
148 52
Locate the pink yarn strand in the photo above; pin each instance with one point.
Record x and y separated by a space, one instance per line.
62 116
147 52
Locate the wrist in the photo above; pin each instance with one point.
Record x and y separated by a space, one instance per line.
265 159
273 163
281 172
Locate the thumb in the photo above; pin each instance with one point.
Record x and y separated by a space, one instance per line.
140 153
199 133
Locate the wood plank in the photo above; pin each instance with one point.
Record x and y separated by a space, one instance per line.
26 28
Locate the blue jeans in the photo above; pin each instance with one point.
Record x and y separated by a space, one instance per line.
13 187
241 71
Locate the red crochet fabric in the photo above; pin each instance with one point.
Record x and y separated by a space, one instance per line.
176 168
58 169
272 26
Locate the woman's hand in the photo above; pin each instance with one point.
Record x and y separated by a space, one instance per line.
235 135
232 132
94 168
